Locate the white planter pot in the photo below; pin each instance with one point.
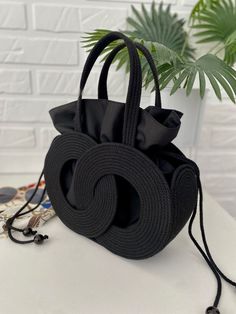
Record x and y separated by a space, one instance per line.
192 107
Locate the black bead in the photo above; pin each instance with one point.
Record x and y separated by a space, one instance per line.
212 310
39 238
27 232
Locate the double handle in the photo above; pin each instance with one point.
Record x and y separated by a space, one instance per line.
102 85
131 112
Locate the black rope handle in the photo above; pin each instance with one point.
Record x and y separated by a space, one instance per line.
134 89
102 85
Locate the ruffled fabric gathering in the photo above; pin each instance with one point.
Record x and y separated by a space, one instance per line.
103 121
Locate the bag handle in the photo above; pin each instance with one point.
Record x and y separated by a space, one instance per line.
134 89
102 85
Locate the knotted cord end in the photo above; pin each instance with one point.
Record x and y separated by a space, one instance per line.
28 232
212 310
39 238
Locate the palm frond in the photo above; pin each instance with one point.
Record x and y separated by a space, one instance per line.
211 67
216 22
162 33
230 49
200 6
161 53
160 26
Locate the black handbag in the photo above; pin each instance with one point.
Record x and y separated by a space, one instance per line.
113 174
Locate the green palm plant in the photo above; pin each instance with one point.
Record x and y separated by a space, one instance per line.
164 35
215 21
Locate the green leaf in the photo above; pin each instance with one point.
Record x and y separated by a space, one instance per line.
159 26
166 75
190 81
215 69
207 40
202 82
214 85
200 6
229 78
208 66
177 83
225 86
215 21
230 49
170 77
164 36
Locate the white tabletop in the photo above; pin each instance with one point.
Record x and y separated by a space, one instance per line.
73 275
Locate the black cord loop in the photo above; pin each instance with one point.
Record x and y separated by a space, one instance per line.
207 255
27 231
134 89
102 85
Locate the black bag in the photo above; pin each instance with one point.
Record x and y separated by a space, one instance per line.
113 174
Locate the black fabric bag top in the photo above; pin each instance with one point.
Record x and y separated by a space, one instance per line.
113 174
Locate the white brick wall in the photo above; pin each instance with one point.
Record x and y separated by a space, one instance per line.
38 50
68 18
15 81
217 153
12 15
41 59
14 137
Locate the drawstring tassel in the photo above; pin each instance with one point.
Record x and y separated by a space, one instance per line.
206 254
38 238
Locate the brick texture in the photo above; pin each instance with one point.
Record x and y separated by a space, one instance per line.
26 110
46 136
2 109
12 16
15 81
225 138
67 83
38 51
217 153
41 60
66 18
14 137
92 18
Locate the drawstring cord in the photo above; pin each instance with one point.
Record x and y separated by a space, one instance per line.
38 238
207 254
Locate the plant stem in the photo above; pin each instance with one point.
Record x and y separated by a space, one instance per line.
219 50
214 47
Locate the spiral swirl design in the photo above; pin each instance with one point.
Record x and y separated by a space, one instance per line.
164 209
88 219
